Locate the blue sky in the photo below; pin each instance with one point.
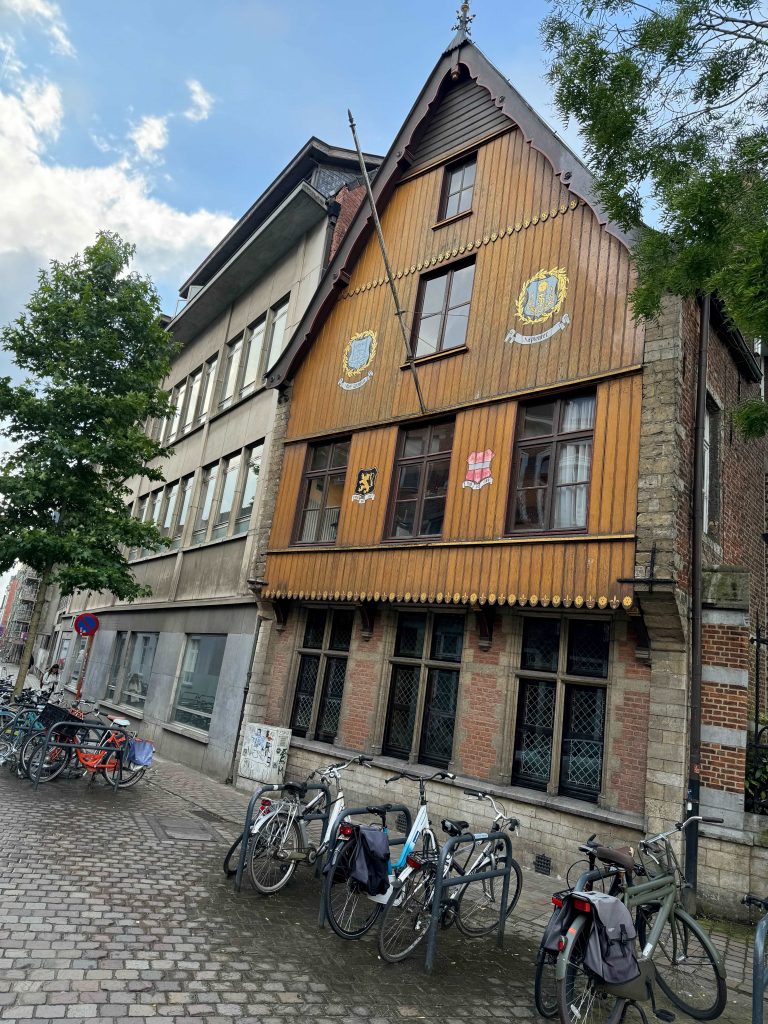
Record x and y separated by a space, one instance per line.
165 120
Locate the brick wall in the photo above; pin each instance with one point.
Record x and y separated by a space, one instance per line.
350 200
361 686
630 711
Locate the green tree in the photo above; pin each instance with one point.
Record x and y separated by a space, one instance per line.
671 97
94 350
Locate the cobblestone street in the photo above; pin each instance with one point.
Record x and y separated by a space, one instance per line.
117 907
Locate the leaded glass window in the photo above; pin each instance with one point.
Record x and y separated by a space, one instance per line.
323 654
560 720
427 658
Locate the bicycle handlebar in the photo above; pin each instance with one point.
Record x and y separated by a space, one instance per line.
419 778
680 826
750 900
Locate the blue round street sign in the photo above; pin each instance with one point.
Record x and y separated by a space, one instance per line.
86 624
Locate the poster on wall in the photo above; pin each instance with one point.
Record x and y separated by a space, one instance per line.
265 752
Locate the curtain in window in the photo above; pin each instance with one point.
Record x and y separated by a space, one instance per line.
572 485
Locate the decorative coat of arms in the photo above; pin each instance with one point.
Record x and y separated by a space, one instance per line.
478 470
541 298
365 488
358 356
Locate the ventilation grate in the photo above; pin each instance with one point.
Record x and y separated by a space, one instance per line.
542 865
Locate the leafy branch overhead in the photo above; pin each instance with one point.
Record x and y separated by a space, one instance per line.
94 350
671 99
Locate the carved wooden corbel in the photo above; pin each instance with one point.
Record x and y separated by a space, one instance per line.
367 618
484 618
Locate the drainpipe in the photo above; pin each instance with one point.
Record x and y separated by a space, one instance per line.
697 533
231 777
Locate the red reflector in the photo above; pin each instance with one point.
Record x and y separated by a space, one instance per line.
265 805
583 906
411 861
345 830
557 901
560 945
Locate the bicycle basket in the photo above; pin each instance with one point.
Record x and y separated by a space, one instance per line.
662 861
52 713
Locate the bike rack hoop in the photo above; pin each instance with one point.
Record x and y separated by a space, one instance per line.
442 883
356 812
85 744
759 972
274 787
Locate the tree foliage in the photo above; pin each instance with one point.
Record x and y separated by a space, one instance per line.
95 352
671 98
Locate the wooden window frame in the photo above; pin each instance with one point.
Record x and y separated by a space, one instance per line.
325 654
445 271
307 476
555 440
455 165
562 681
401 460
425 664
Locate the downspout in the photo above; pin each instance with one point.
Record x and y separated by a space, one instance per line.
697 534
249 676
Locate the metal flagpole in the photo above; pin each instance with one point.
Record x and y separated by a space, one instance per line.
390 276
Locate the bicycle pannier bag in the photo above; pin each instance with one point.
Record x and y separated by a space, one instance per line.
139 753
371 867
610 952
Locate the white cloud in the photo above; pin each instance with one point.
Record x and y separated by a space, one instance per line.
48 15
50 211
202 102
150 137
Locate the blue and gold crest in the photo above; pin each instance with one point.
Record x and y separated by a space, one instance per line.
540 298
358 356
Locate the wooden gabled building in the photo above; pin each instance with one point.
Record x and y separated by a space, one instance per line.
463 585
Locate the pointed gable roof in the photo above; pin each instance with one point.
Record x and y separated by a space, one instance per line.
419 142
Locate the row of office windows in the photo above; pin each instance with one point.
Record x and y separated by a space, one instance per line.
224 505
552 464
559 722
225 377
130 672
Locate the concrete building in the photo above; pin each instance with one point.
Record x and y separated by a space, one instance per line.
177 662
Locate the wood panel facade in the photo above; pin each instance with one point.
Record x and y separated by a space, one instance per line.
523 220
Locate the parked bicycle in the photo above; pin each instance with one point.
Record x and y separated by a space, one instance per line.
606 878
351 910
280 838
759 958
100 746
475 907
675 952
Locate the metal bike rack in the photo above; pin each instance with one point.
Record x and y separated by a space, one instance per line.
470 878
91 745
759 972
275 787
350 812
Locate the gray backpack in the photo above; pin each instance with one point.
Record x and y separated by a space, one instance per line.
610 952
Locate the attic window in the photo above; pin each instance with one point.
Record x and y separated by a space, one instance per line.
458 186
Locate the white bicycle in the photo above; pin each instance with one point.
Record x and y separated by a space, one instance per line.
281 834
350 909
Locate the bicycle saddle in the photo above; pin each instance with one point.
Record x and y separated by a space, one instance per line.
119 723
452 827
621 857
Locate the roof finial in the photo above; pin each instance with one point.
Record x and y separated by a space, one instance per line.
465 19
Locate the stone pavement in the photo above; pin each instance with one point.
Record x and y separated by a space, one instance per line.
116 907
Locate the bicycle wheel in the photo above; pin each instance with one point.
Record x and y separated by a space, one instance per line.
271 850
581 998
48 763
545 984
127 774
406 916
686 968
351 912
479 903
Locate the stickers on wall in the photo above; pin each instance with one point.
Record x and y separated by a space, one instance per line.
365 488
358 356
479 470
540 298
